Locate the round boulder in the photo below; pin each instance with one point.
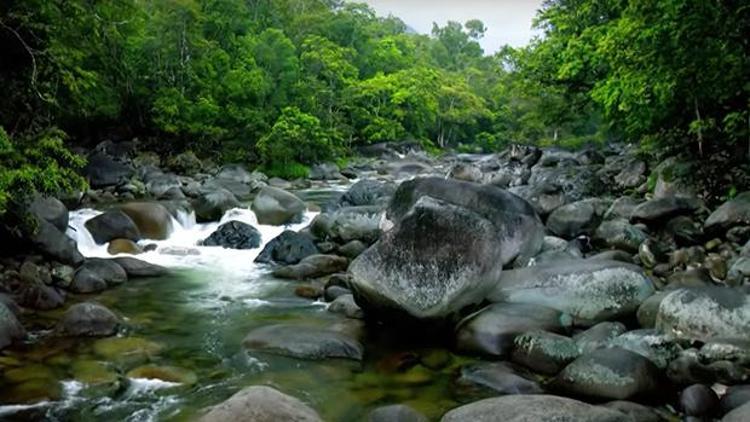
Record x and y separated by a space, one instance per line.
276 207
152 219
88 319
261 404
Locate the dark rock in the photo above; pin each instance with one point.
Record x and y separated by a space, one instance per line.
88 319
649 309
51 210
633 175
304 342
543 352
333 292
102 170
347 224
113 224
352 249
185 163
136 268
493 330
211 204
96 275
346 306
152 219
612 373
619 234
466 172
367 192
261 404
735 396
577 218
740 414
234 235
698 400
313 266
50 241
289 247
705 313
10 329
732 213
446 249
277 207
498 377
37 295
528 408
590 290
662 209
395 413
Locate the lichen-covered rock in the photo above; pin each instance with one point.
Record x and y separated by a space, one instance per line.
289 247
530 408
234 235
277 207
543 352
589 290
611 373
10 329
704 313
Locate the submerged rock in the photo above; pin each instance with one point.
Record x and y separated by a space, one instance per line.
88 319
528 408
261 404
395 413
51 210
589 290
492 330
234 235
704 313
97 274
304 342
446 249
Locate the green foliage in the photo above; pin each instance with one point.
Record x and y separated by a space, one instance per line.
41 164
296 138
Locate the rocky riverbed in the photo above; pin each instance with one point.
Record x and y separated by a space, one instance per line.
534 283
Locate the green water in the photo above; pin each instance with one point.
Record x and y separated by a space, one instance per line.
179 321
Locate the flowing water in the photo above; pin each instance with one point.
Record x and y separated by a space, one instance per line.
190 324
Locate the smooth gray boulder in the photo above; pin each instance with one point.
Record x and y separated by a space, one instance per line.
212 203
313 266
662 209
590 290
499 377
611 373
740 414
544 352
55 244
704 313
577 218
96 274
395 413
445 249
289 247
492 330
276 207
136 268
51 210
532 408
261 404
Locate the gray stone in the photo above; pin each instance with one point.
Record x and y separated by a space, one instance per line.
346 306
211 204
649 343
304 342
492 330
234 235
136 268
740 414
589 290
577 218
612 373
532 408
152 219
88 319
619 234
734 212
110 225
313 266
10 329
97 274
543 352
51 210
261 404
395 413
705 313
662 209
598 336
498 377
277 207
289 247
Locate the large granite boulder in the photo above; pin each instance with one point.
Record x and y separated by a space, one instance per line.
211 204
51 210
446 248
591 290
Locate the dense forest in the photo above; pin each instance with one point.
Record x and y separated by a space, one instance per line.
284 84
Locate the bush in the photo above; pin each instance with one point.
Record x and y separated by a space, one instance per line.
38 164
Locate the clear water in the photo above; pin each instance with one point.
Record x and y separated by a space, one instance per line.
195 319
